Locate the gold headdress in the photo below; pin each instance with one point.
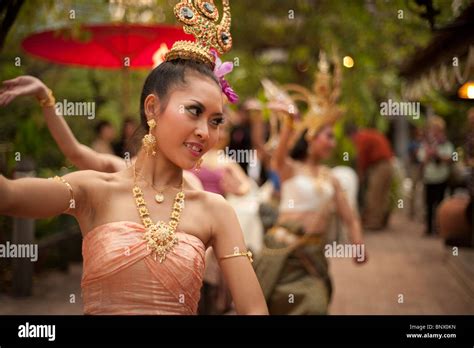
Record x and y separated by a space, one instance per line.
322 108
200 18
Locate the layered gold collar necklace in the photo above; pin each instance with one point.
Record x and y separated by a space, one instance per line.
160 236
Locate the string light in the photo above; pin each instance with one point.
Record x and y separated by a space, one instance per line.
348 62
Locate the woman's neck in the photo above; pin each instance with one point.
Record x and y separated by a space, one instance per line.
313 161
158 170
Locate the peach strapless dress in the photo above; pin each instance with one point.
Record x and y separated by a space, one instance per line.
120 276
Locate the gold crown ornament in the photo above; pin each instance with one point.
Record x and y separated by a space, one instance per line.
200 18
321 102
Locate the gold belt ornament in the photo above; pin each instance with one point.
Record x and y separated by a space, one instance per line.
291 240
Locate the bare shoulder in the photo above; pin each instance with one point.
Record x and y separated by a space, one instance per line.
225 230
216 207
87 179
211 201
91 184
192 180
327 174
221 216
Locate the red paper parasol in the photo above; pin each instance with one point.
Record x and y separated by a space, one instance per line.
120 46
105 46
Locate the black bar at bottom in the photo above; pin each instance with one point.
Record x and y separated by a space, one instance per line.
291 331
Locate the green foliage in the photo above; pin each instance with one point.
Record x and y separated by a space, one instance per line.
371 32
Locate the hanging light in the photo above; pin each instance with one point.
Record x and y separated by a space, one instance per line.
348 62
466 91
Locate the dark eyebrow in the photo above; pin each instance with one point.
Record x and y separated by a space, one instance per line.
204 108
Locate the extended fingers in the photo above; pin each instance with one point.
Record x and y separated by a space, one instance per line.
6 98
11 82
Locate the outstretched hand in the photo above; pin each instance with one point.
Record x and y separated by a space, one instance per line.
21 86
280 106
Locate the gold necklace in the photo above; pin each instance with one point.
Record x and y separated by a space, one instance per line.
160 197
160 236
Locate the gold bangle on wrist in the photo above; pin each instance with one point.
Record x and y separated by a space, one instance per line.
248 254
47 101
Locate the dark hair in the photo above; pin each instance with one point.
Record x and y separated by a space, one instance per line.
167 75
299 151
127 120
99 126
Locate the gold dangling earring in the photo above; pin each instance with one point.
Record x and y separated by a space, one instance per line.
149 140
197 168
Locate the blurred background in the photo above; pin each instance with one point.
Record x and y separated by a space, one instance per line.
419 51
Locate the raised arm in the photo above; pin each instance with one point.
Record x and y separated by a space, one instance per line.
227 239
234 180
280 161
80 155
42 198
257 134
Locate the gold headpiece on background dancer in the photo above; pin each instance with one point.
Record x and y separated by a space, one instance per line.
200 18
321 102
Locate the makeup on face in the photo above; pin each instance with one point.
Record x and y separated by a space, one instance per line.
196 108
192 117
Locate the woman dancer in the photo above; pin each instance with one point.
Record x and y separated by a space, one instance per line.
292 268
137 260
82 156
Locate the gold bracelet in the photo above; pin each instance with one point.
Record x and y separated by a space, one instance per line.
248 254
71 192
47 101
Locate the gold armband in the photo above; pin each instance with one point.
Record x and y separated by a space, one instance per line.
248 254
71 192
47 101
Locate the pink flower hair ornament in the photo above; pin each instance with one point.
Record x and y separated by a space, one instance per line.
220 70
